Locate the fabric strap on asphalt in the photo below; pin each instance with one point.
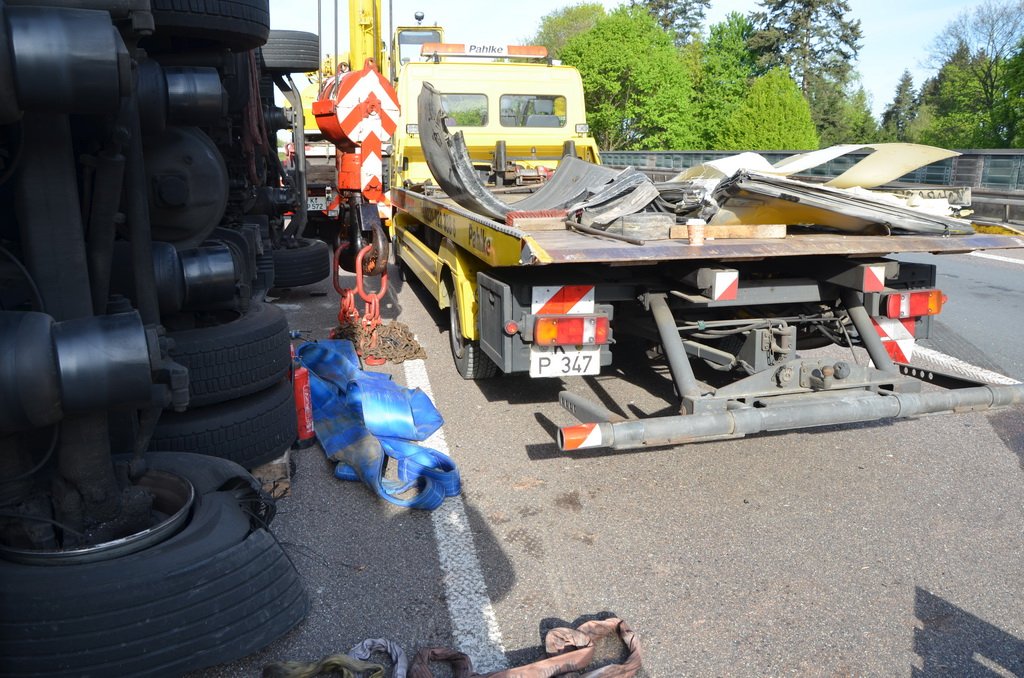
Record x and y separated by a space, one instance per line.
569 650
363 420
399 662
342 664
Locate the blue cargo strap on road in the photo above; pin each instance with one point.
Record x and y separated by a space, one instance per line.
363 420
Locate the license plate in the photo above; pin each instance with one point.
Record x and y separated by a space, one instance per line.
316 203
555 361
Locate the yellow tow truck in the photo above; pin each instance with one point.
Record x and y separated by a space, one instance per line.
535 289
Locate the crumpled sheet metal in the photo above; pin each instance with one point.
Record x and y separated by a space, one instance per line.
576 184
749 198
887 162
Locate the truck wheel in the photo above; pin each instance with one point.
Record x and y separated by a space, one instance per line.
291 52
247 353
469 358
236 24
219 589
249 431
308 262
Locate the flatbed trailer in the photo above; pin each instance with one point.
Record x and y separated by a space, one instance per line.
731 318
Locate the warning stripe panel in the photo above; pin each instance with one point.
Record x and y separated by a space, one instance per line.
874 278
726 285
563 300
897 337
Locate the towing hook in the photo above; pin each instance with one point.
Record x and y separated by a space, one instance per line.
376 262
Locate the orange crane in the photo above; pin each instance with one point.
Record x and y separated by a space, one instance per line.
358 113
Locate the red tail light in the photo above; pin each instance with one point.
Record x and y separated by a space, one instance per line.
914 304
570 330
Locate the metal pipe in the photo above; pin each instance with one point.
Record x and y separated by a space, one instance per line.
854 303
103 216
675 352
586 410
47 205
297 226
137 214
603 234
794 415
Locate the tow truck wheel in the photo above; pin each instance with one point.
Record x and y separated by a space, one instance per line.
219 589
469 358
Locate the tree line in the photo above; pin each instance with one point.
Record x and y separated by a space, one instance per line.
783 77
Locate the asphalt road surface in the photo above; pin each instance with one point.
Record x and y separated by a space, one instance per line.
889 549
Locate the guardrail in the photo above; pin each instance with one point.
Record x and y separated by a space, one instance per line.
995 176
991 169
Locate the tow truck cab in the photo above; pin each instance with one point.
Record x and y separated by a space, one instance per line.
517 117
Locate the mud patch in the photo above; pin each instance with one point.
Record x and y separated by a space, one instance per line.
569 501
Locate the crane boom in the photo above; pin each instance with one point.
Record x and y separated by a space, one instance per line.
364 33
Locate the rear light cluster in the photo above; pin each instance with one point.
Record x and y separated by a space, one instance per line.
570 330
914 304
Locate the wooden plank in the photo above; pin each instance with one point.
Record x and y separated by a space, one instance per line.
276 476
531 224
735 231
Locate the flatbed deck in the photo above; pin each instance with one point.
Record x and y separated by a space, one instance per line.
500 245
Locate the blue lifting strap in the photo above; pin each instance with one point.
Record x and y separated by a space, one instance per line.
363 419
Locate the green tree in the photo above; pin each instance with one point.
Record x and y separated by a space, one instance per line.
638 94
954 98
859 124
1015 91
817 42
972 94
900 113
682 19
774 116
841 115
811 38
724 67
559 26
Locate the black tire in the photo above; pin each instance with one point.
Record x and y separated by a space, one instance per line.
292 52
470 360
249 353
250 431
306 263
236 24
219 589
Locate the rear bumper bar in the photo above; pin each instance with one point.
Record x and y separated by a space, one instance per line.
604 429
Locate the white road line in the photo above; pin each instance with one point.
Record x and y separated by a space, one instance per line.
948 362
996 257
474 624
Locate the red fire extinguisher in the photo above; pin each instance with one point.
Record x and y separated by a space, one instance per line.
303 408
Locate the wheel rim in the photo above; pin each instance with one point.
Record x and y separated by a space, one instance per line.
173 497
458 345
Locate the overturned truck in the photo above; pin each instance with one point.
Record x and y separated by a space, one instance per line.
730 273
141 205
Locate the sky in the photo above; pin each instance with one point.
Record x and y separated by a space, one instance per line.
897 33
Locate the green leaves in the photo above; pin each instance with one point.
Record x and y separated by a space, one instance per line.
639 95
773 116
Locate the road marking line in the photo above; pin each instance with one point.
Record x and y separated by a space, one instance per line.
962 367
474 624
996 257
